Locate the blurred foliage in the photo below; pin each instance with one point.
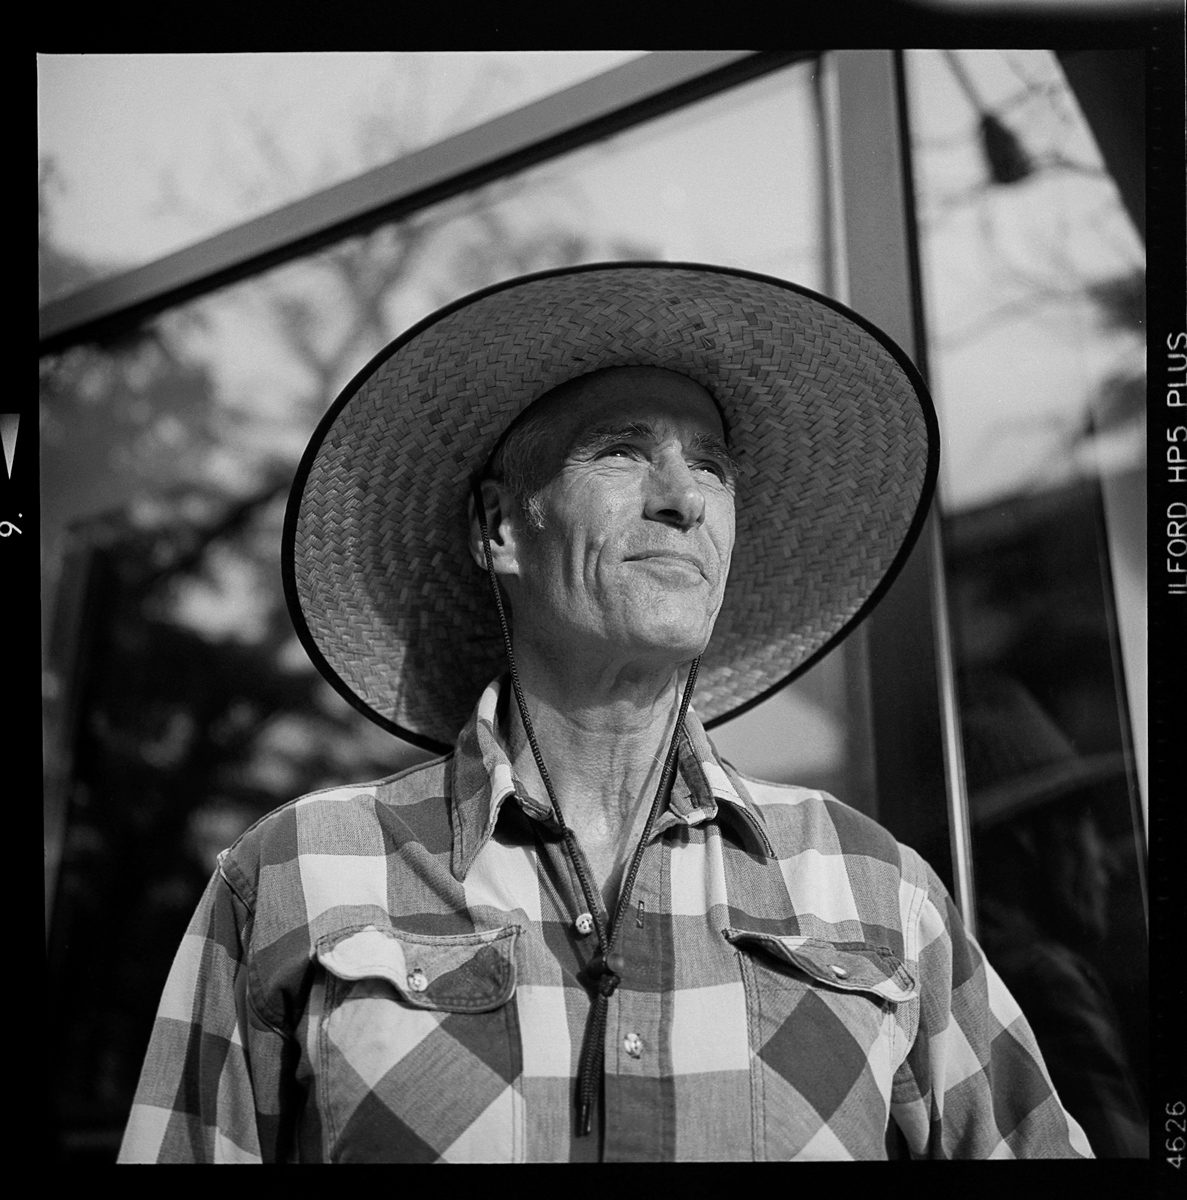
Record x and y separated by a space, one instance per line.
181 740
1030 234
180 705
1028 604
1047 243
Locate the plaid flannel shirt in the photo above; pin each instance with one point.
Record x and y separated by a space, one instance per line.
392 972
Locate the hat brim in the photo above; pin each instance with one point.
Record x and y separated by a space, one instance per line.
834 432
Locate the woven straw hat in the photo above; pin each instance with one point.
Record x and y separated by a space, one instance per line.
833 430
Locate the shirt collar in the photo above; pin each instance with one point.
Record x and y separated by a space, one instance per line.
483 780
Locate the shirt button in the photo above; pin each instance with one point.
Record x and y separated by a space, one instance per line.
584 924
633 1045
417 980
838 970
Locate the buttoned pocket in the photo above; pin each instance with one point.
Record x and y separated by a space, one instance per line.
824 1022
419 1048
845 966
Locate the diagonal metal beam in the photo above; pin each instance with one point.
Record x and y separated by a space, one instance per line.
612 101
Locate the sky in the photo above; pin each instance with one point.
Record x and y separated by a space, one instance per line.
153 153
122 126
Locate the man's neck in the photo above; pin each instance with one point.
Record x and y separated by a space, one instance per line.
603 737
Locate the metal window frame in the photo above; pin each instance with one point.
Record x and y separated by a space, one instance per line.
608 103
914 704
875 270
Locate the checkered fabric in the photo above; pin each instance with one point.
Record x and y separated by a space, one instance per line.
395 972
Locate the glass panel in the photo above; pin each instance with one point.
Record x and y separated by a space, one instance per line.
179 704
147 153
1033 288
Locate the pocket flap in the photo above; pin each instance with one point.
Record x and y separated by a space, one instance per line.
471 972
847 966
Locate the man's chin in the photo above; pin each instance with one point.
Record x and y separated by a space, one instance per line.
669 646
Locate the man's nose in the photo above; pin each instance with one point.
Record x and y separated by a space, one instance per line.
673 494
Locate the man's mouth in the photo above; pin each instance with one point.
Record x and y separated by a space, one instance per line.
675 558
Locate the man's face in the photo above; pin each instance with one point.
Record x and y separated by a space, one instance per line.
637 521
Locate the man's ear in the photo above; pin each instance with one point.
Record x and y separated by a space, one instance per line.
499 507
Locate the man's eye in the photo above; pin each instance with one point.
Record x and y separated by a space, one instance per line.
712 467
619 451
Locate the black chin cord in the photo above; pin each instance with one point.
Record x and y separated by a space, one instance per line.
605 961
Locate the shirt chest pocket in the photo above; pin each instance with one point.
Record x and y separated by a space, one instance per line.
825 1041
419 1055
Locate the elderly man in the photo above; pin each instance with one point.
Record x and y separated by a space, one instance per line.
580 934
